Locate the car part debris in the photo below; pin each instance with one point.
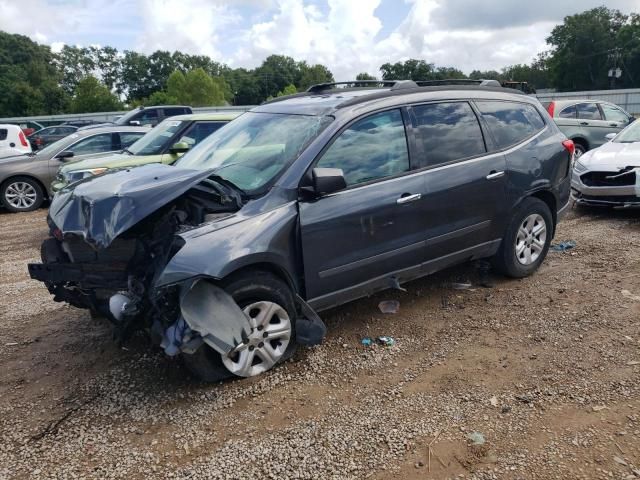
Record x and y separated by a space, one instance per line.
215 316
563 246
310 329
367 341
386 341
461 286
389 306
395 284
476 438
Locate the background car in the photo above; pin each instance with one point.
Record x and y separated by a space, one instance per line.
587 122
48 135
152 115
30 126
608 176
25 179
13 141
164 144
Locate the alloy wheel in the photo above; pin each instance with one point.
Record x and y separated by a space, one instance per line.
531 239
20 195
270 335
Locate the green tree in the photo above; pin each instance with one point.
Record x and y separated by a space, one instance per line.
74 63
583 48
275 73
288 90
92 96
365 76
313 75
29 78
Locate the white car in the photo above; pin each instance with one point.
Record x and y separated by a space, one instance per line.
13 141
610 175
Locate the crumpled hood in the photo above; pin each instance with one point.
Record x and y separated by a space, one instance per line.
612 156
101 208
115 160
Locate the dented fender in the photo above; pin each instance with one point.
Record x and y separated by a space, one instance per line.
218 249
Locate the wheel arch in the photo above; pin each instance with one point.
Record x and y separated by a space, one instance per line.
263 266
550 199
582 141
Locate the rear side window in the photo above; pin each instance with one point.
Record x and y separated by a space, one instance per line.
448 132
3 133
614 114
589 111
95 144
510 122
370 149
569 112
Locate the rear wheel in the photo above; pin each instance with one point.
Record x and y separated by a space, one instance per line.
21 194
580 150
268 302
526 241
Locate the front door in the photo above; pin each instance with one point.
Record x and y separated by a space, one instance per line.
372 229
593 125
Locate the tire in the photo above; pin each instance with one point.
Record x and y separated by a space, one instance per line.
580 150
21 194
248 288
512 259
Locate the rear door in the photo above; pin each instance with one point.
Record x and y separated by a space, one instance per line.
593 124
465 197
373 228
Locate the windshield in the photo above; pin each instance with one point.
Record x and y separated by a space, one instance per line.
154 142
255 148
630 134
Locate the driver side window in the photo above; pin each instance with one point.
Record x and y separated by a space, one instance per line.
95 144
372 148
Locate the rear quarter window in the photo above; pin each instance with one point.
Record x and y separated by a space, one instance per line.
3 133
510 122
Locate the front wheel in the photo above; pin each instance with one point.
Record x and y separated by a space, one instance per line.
21 194
526 241
268 302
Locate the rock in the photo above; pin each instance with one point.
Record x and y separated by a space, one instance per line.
476 438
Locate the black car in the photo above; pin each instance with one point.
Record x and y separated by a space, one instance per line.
47 135
304 203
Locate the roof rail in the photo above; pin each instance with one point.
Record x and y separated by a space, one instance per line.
393 84
458 81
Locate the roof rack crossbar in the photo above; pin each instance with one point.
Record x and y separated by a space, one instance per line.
393 84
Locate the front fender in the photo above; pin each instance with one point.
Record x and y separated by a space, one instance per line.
268 237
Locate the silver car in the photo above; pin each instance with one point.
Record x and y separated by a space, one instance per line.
25 180
588 122
610 175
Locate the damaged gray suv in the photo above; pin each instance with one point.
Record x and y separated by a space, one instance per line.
305 203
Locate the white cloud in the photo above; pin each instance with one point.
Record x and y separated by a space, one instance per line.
344 35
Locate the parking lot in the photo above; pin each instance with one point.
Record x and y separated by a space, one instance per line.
545 368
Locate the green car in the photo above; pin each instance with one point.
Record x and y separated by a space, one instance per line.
164 144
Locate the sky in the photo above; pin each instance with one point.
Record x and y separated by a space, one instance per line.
348 36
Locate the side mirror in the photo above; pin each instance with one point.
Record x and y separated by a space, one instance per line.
134 123
328 180
65 154
610 136
632 119
180 147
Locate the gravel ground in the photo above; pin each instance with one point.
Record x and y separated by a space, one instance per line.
546 369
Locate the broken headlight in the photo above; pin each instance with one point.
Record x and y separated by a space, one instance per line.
579 167
76 175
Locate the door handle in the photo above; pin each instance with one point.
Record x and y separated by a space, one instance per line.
493 175
584 123
613 124
408 198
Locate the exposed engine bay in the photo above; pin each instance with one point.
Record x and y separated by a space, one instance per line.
111 240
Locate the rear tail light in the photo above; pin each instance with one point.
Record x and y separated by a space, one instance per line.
23 139
551 108
569 147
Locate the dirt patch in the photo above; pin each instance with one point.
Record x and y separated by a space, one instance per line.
545 368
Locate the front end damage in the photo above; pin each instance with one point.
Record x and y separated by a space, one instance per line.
113 236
